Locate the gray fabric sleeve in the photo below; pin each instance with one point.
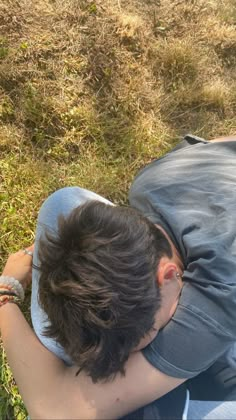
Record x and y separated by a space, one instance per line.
188 344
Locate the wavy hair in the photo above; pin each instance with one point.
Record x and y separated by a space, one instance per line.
98 285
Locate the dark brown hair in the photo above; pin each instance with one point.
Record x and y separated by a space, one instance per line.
98 284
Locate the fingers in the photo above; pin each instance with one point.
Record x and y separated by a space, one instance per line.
30 248
22 252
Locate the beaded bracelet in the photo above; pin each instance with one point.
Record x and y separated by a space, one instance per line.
8 292
5 286
8 299
14 285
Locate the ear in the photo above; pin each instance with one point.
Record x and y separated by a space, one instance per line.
166 271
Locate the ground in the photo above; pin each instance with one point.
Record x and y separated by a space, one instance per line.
90 91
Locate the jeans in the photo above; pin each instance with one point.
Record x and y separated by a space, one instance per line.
62 202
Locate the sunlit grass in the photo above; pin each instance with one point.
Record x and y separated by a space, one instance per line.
92 91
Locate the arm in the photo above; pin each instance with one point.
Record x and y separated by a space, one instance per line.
220 139
51 390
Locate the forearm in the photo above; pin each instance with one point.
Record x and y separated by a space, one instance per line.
52 390
36 370
220 139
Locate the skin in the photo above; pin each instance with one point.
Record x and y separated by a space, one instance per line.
52 390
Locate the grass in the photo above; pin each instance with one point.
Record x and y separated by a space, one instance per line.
90 91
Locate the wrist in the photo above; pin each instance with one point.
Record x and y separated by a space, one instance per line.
5 311
14 285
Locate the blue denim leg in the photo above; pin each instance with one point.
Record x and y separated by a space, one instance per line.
212 410
63 202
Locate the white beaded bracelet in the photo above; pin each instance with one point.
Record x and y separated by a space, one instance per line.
14 284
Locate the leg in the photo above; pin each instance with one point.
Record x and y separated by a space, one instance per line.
63 202
217 387
212 410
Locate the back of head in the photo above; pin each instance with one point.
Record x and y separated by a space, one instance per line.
98 284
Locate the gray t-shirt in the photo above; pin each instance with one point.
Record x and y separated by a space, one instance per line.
191 193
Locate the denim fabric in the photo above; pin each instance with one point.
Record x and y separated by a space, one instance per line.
212 410
63 202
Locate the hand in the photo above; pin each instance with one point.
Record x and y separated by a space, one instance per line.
19 266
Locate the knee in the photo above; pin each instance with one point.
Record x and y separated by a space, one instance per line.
57 197
59 202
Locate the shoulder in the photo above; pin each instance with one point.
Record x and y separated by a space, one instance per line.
191 341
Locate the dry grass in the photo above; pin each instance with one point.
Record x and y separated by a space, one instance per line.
91 90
